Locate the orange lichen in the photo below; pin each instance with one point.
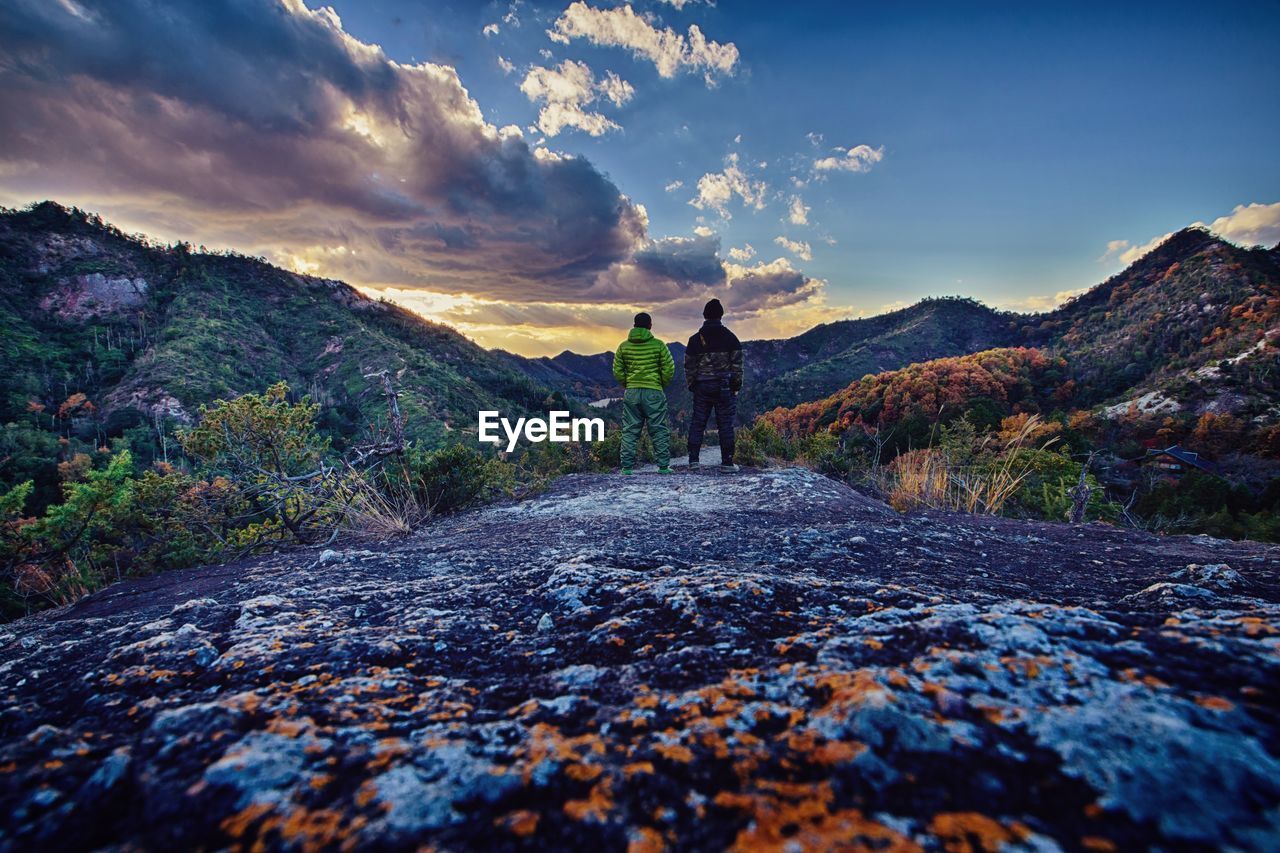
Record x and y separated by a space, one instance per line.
800 814
1097 842
818 750
674 752
582 772
969 832
314 829
637 767
366 794
522 822
547 743
850 689
994 715
645 839
238 824
596 806
1253 625
1215 703
1028 667
288 728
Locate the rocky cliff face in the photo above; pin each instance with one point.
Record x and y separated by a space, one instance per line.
689 661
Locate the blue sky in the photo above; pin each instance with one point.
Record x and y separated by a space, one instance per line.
1013 152
1019 138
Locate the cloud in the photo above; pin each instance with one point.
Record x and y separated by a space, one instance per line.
668 50
799 248
798 211
703 231
765 300
490 30
1246 225
679 4
746 253
717 189
506 65
565 91
859 158
1249 225
673 186
1127 253
768 286
286 136
285 133
1114 248
1039 304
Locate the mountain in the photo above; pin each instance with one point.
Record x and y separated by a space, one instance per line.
147 333
827 357
763 662
588 378
1192 326
811 365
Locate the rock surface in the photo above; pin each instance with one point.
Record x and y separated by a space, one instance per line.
767 659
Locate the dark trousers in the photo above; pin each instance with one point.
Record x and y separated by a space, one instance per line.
708 396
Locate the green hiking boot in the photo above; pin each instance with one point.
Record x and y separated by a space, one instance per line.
695 465
730 468
665 471
627 471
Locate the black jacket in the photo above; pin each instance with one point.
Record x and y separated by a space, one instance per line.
713 354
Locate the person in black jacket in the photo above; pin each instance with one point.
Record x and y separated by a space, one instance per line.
713 372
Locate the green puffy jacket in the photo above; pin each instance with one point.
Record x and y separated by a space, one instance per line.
643 361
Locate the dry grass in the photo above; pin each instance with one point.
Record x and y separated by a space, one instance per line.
369 513
930 479
921 478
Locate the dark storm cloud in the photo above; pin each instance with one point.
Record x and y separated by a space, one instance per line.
684 260
256 106
263 125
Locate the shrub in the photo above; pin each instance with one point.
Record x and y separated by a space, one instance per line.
75 547
606 454
271 449
1046 490
761 442
447 480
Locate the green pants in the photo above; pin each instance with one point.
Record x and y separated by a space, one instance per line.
641 406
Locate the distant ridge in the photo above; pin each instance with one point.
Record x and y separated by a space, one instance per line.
1160 327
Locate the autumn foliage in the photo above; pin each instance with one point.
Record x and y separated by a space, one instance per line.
1015 379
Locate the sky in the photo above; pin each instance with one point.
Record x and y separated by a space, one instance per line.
533 173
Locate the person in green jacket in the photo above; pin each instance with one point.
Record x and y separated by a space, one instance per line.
643 365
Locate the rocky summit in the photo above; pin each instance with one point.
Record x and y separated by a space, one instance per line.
696 661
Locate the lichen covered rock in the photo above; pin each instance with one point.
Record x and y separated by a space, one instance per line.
610 664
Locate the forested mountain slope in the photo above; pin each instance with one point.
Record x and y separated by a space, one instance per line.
104 336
